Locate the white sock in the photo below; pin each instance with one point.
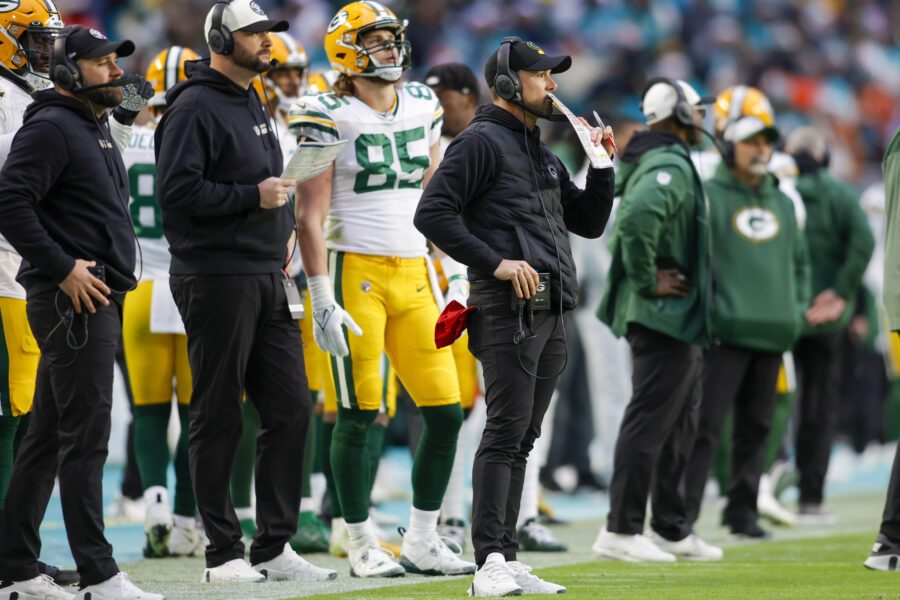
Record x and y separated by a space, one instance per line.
452 505
307 505
422 523
528 507
360 533
183 522
245 512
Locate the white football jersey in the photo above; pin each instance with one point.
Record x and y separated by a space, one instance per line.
782 166
140 162
13 102
378 175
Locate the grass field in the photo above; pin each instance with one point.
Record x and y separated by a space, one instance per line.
800 562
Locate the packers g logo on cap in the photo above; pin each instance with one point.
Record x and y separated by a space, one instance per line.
534 47
756 224
255 8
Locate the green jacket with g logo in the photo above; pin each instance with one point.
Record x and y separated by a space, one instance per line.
760 266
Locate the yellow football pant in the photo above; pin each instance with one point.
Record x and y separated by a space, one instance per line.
391 300
19 357
153 358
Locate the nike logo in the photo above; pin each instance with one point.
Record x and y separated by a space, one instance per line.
419 289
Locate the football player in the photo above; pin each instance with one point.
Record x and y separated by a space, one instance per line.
27 31
371 263
155 341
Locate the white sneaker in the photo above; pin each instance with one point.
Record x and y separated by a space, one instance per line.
339 542
186 538
126 510
40 588
432 556
289 566
494 579
532 584
371 560
158 522
235 570
690 548
630 548
454 529
117 587
768 506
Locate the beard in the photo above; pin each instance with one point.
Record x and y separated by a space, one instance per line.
107 97
542 109
252 62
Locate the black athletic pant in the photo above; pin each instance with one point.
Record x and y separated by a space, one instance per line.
516 403
890 520
745 380
817 358
241 337
67 436
656 435
131 477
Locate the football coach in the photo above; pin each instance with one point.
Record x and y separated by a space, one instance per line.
503 204
226 217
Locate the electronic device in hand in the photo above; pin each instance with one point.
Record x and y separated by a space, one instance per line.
541 298
98 271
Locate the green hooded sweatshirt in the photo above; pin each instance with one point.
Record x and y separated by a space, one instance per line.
760 265
839 240
661 223
891 167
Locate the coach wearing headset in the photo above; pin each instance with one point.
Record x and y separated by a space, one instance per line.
64 208
658 298
503 204
225 215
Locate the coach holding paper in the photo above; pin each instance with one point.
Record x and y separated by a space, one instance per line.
502 203
226 219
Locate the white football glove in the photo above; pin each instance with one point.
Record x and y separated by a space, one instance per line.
458 289
329 317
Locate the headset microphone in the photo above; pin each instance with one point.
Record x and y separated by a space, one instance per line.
121 82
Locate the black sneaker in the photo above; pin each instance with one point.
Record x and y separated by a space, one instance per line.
534 537
885 555
751 531
61 577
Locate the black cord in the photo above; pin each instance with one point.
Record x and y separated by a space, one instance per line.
520 336
67 319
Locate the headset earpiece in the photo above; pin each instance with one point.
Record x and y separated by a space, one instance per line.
64 73
728 154
682 112
506 82
220 38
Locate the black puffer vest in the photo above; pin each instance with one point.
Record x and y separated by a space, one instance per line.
509 215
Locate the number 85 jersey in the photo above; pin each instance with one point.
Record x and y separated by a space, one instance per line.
378 175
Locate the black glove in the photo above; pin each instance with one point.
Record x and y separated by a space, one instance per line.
135 97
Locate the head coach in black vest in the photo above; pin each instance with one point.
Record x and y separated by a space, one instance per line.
503 204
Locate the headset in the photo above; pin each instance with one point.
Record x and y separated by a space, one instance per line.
65 73
220 38
506 82
682 112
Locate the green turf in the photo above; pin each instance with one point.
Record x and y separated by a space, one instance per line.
827 567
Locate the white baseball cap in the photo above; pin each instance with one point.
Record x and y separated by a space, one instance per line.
660 99
244 15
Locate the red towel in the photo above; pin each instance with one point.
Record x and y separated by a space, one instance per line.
451 323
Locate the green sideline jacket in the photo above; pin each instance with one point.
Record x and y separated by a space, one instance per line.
838 238
891 167
760 264
661 223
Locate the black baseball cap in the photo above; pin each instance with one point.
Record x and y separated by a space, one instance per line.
453 76
84 42
526 56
